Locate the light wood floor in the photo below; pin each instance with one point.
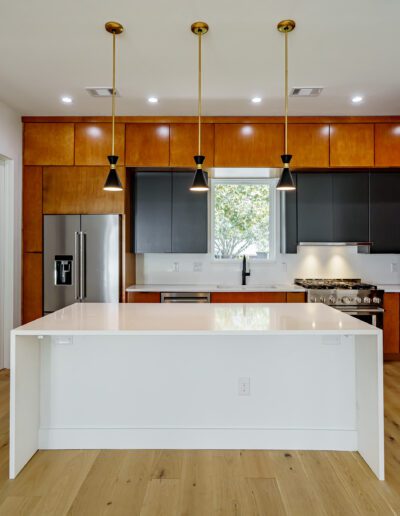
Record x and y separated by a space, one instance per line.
204 483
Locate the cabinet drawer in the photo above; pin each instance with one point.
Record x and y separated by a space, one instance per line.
143 297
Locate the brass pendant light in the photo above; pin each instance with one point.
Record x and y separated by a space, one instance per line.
113 183
286 180
199 181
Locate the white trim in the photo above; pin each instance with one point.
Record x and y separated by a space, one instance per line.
7 259
197 438
272 182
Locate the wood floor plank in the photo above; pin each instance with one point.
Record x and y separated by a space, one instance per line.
167 464
327 484
266 497
162 498
364 490
19 505
298 495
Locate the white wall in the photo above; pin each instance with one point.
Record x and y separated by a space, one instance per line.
11 149
309 262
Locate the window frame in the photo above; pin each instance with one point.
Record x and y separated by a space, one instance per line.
272 182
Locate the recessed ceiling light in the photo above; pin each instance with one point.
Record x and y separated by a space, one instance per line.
66 100
256 100
152 100
357 99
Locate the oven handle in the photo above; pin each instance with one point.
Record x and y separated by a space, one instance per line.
362 312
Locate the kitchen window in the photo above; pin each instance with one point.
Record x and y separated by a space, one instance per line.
243 218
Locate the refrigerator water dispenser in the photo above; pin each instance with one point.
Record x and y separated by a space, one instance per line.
63 270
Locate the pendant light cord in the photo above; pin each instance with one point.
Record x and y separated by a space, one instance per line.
199 92
113 98
286 92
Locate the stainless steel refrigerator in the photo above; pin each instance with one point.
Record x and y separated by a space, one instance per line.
81 259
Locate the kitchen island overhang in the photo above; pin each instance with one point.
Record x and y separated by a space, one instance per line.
168 376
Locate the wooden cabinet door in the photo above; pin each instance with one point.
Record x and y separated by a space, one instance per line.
387 145
391 323
147 145
49 144
184 141
32 227
352 145
309 145
143 297
75 190
32 287
296 297
248 297
93 143
248 145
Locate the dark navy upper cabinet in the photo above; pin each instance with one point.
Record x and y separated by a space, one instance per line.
385 211
168 217
350 206
314 207
152 193
189 216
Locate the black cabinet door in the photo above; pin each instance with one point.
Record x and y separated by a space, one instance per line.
189 216
153 210
350 206
385 211
314 207
289 216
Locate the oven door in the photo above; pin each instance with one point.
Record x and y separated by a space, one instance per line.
372 316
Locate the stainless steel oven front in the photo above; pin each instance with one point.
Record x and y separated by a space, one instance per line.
372 316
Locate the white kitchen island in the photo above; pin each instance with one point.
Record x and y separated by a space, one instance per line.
202 376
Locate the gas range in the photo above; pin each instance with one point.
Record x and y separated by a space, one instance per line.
347 295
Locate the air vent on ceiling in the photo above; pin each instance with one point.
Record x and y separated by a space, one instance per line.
306 92
101 92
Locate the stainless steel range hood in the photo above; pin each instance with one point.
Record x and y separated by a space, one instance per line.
362 247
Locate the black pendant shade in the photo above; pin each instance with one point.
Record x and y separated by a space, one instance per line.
199 181
286 181
113 183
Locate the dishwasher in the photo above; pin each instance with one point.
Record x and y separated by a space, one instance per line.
185 297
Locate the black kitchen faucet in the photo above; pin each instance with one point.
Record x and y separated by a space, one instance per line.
244 270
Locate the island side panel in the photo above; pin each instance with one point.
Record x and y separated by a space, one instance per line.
370 404
181 391
24 401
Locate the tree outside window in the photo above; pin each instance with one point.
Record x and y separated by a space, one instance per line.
242 219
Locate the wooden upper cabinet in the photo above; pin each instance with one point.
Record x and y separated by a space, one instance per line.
74 190
352 145
248 145
309 145
93 143
49 144
387 145
147 145
32 228
184 144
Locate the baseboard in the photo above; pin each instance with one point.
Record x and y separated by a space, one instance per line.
197 438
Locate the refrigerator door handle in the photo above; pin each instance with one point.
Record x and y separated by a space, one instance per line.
76 268
82 265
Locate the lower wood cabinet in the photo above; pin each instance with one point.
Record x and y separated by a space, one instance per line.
32 287
143 297
391 326
248 297
296 297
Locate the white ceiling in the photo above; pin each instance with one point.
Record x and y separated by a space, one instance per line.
51 48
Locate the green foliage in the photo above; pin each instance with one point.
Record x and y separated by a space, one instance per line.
241 219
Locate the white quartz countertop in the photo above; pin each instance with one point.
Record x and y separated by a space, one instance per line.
224 318
389 287
215 288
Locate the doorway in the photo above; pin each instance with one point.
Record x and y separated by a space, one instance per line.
6 257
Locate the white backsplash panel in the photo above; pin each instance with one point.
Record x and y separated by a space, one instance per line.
309 262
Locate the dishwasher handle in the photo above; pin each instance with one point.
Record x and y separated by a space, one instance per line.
185 297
